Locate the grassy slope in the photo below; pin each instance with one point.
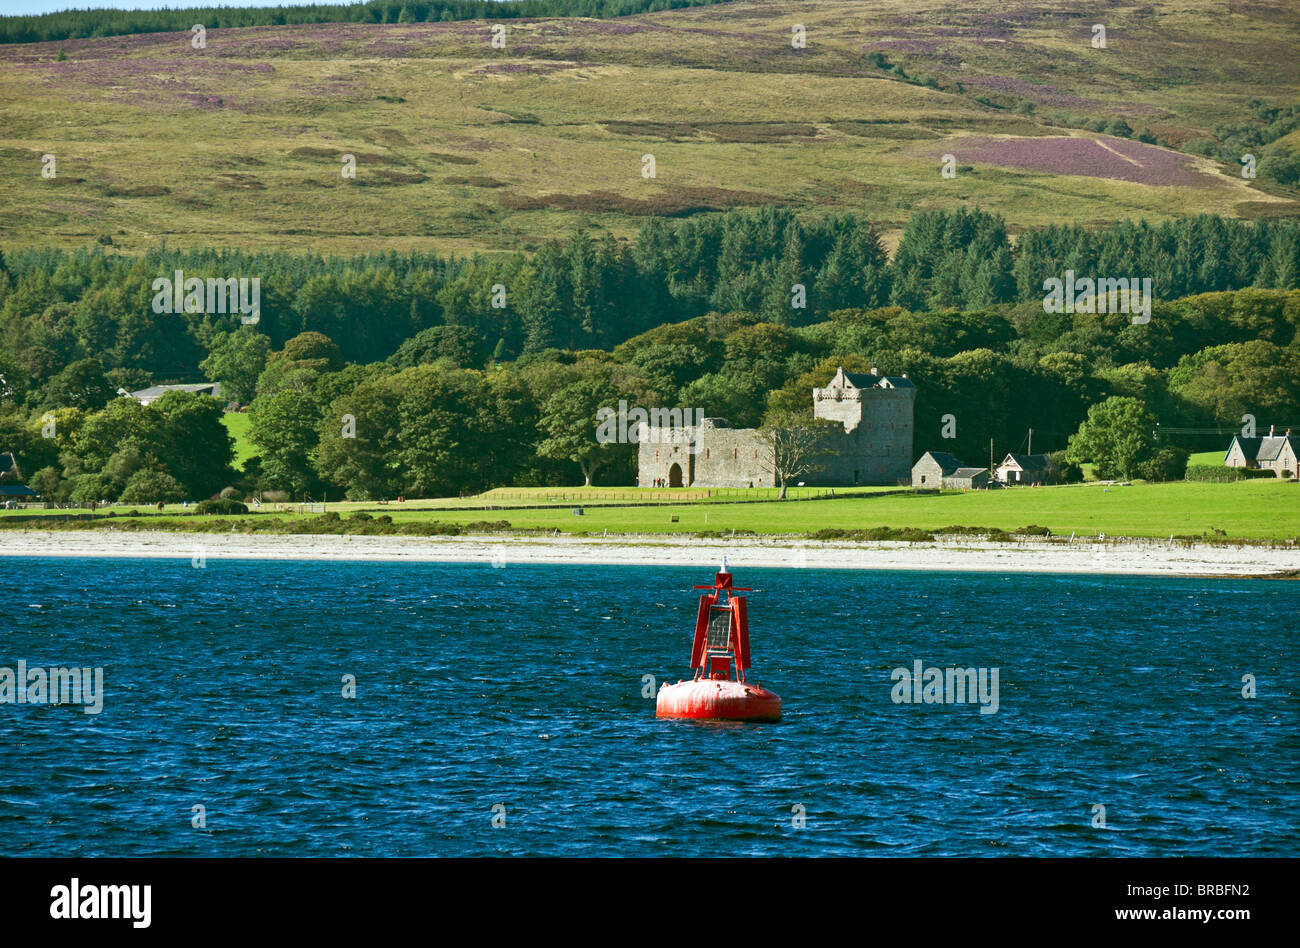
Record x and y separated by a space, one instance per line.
237 425
463 147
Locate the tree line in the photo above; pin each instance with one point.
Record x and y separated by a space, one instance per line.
75 326
419 423
83 24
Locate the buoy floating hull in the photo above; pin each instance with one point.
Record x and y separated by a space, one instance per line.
717 700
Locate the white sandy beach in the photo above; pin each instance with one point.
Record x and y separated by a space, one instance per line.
1029 555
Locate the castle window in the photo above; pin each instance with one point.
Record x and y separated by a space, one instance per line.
707 452
756 454
735 453
656 455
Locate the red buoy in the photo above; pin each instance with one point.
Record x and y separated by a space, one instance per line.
721 640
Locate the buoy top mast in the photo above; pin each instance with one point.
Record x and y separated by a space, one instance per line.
721 630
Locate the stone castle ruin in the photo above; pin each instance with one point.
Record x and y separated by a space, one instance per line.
872 444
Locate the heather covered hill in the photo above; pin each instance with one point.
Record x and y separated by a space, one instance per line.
460 146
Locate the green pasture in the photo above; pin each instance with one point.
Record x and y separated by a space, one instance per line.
237 424
1257 510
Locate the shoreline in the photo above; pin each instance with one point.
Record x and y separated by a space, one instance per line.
1029 555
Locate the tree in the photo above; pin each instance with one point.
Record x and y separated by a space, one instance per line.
792 443
568 423
1228 381
49 483
81 384
285 428
1117 436
236 359
151 486
1168 463
88 490
297 366
196 448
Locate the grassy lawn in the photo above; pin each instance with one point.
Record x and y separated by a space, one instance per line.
1258 509
1246 510
237 424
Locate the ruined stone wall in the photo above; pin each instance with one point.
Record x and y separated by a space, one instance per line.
655 458
732 457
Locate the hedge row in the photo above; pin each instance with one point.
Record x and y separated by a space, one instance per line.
1222 474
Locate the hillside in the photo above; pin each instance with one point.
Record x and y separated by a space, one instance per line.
462 147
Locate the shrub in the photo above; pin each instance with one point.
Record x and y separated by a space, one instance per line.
1282 167
433 528
221 507
1067 472
906 534
231 493
149 487
487 526
1166 464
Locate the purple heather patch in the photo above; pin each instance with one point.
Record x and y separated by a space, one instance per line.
1094 157
1042 94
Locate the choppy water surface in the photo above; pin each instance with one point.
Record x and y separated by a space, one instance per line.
523 687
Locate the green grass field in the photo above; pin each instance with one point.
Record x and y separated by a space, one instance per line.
1256 510
462 147
237 425
1246 510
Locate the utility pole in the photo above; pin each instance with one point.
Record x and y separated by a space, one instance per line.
1031 440
990 457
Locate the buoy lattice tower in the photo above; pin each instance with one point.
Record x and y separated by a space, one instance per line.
721 644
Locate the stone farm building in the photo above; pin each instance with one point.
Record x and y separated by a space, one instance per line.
1278 453
872 444
941 469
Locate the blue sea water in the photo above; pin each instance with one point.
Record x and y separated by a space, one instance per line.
518 693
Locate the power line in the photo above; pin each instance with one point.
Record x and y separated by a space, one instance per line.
1212 431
